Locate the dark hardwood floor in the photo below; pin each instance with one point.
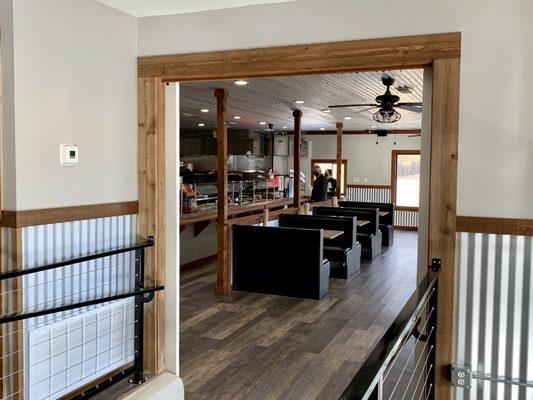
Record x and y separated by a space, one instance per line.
256 346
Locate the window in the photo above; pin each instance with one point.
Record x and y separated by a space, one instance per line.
406 178
332 165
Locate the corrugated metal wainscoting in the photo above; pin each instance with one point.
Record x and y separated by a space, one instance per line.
65 351
403 218
371 194
495 322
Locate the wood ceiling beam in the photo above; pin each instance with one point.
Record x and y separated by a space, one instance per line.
364 132
348 56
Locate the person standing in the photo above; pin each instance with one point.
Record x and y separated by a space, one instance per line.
320 185
332 183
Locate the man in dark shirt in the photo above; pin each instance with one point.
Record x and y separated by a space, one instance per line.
320 185
332 183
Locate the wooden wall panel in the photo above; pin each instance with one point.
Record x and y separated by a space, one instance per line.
443 199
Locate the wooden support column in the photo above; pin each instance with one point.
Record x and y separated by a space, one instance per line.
442 211
223 278
297 114
339 159
151 131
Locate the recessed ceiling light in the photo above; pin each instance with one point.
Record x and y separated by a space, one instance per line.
299 101
283 127
236 117
322 129
204 110
326 110
241 83
200 125
373 126
347 117
262 123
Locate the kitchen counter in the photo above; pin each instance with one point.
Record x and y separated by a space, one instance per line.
209 213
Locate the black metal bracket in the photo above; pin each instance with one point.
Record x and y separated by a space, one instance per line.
148 297
416 333
436 264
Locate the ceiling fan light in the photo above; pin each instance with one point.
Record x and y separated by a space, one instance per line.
386 116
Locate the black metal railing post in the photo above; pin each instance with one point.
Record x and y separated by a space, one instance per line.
432 342
138 326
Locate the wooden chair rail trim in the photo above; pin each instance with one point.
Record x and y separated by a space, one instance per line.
24 218
319 58
402 208
499 226
357 186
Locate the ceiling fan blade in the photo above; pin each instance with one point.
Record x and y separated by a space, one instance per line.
406 103
353 105
410 107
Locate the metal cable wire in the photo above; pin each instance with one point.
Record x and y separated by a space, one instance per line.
408 358
82 327
35 307
73 365
418 362
430 313
64 277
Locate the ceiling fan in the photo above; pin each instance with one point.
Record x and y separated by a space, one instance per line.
387 104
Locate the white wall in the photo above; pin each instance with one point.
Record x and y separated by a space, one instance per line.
368 163
495 166
75 82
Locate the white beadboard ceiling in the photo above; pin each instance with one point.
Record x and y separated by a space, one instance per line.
150 8
270 100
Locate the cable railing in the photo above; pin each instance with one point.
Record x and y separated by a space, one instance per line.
69 352
402 364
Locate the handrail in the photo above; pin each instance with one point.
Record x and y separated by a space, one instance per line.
141 295
77 260
21 316
386 350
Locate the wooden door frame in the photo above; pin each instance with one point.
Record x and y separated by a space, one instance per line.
441 52
331 161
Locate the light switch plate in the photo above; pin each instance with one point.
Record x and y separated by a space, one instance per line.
69 154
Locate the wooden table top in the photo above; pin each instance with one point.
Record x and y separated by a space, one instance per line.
383 213
362 222
331 234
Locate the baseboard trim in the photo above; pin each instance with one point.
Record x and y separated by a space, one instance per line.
195 263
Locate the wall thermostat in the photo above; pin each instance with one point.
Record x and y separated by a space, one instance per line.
69 154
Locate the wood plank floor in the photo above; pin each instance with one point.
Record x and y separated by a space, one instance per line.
256 346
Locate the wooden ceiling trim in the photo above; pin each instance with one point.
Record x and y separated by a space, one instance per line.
364 132
348 56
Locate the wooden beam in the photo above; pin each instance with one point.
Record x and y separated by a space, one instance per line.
416 132
499 226
339 159
321 58
223 278
297 114
151 132
43 216
442 213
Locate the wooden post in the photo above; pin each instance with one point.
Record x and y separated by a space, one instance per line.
297 114
223 278
339 159
265 217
